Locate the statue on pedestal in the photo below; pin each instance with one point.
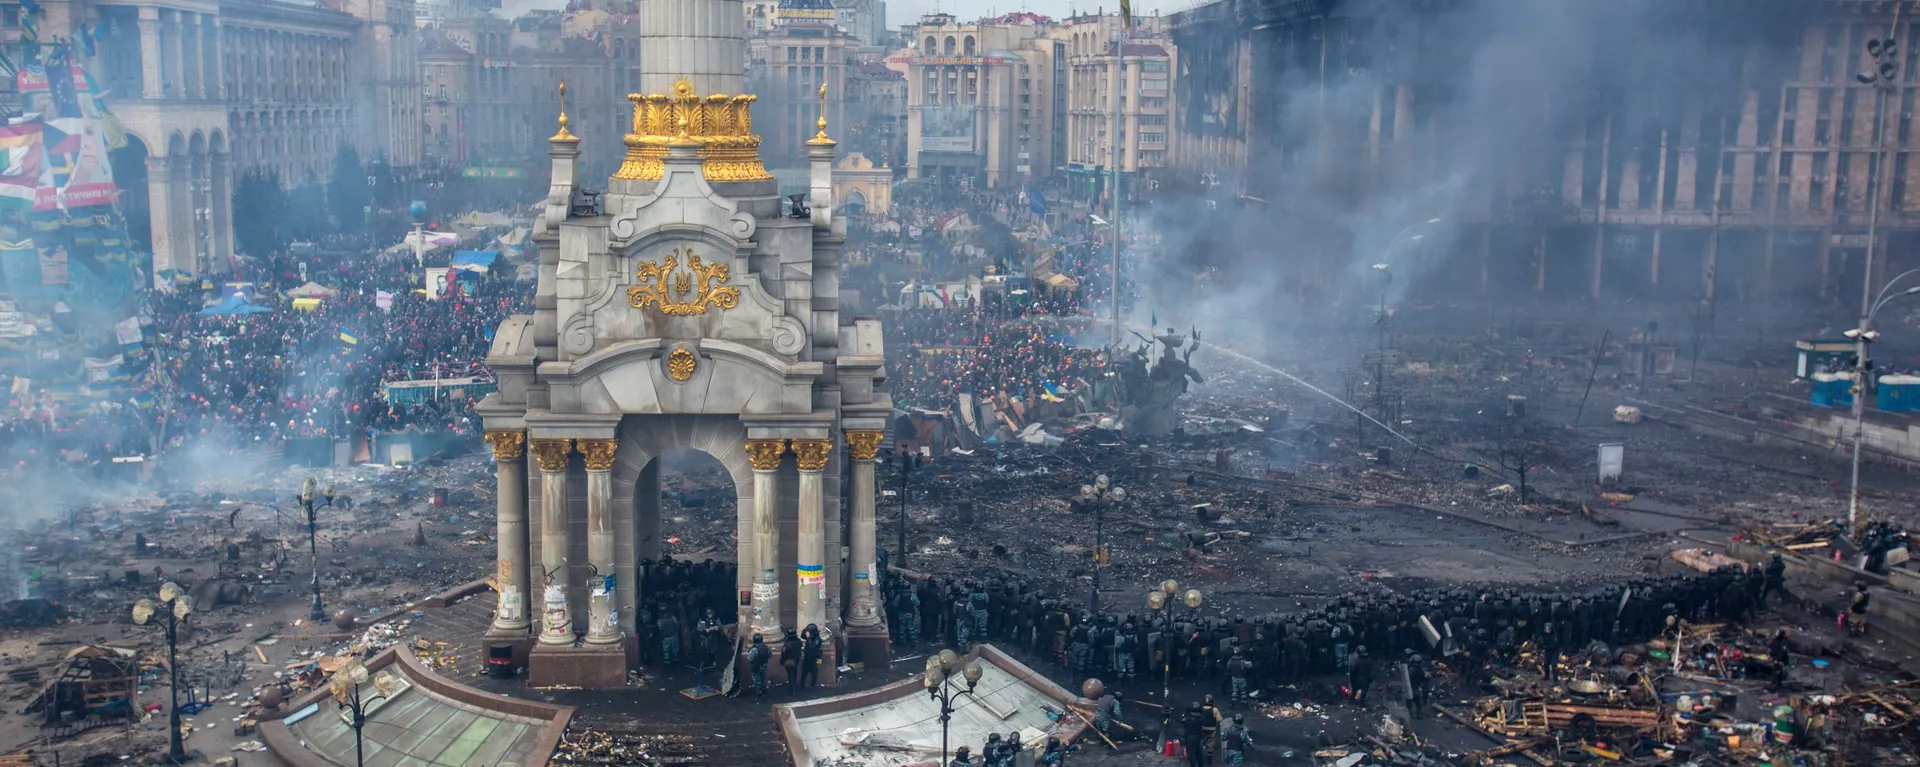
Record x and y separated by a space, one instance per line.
1149 390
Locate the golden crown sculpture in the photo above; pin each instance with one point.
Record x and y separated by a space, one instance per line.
721 125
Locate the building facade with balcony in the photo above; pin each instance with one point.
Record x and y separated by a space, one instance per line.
1146 92
980 99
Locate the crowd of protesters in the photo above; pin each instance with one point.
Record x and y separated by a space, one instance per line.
250 380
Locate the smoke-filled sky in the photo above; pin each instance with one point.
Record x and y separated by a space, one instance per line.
906 11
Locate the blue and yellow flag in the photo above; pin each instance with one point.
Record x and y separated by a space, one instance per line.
1126 14
348 338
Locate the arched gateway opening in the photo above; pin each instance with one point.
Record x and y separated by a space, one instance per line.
685 512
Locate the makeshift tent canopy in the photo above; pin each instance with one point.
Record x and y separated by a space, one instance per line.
1061 282
478 218
232 305
429 240
474 260
311 290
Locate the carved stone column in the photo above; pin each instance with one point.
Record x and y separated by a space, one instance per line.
556 620
765 455
863 447
510 524
603 623
810 559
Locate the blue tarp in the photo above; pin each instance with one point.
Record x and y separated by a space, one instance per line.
483 258
232 305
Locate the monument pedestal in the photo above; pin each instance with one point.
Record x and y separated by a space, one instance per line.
589 667
522 645
869 645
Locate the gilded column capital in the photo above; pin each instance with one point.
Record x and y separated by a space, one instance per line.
599 453
552 453
765 453
864 444
811 454
508 445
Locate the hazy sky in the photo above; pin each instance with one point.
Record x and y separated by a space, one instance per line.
906 11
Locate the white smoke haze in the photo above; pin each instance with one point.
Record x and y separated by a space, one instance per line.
1498 93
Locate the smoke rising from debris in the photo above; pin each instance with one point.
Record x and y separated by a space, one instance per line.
1475 109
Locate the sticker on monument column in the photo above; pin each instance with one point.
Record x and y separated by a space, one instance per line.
815 575
606 586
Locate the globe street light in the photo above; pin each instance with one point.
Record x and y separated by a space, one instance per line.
1159 600
174 606
306 500
1096 497
939 671
345 686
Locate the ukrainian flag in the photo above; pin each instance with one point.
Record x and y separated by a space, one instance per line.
348 338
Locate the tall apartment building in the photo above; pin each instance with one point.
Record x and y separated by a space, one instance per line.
492 87
1735 170
981 98
1146 90
876 112
785 68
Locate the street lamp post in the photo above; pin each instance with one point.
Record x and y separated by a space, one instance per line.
1862 336
1883 76
939 671
345 687
306 500
175 606
1095 498
908 462
1161 601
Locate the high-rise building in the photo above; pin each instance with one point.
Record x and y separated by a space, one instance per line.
1726 158
980 99
1146 89
786 67
487 79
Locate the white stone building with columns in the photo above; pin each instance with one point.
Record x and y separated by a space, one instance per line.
209 89
688 310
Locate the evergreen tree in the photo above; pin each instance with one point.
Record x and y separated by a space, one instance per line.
259 206
347 192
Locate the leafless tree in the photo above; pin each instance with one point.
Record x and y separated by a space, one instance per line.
1522 446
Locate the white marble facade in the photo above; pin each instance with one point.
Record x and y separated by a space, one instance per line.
617 365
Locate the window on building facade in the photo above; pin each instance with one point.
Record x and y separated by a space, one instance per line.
1817 198
1791 111
1899 181
1906 117
1847 104
1830 53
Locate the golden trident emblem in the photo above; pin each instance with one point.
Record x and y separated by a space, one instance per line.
683 298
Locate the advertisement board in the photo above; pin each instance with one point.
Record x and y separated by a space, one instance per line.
946 128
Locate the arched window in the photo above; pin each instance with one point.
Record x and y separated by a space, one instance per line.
929 49
969 45
949 45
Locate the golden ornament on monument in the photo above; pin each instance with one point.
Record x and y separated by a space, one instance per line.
598 453
765 453
508 445
680 363
552 454
864 444
720 126
683 293
811 454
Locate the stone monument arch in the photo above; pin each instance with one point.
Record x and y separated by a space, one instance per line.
689 310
